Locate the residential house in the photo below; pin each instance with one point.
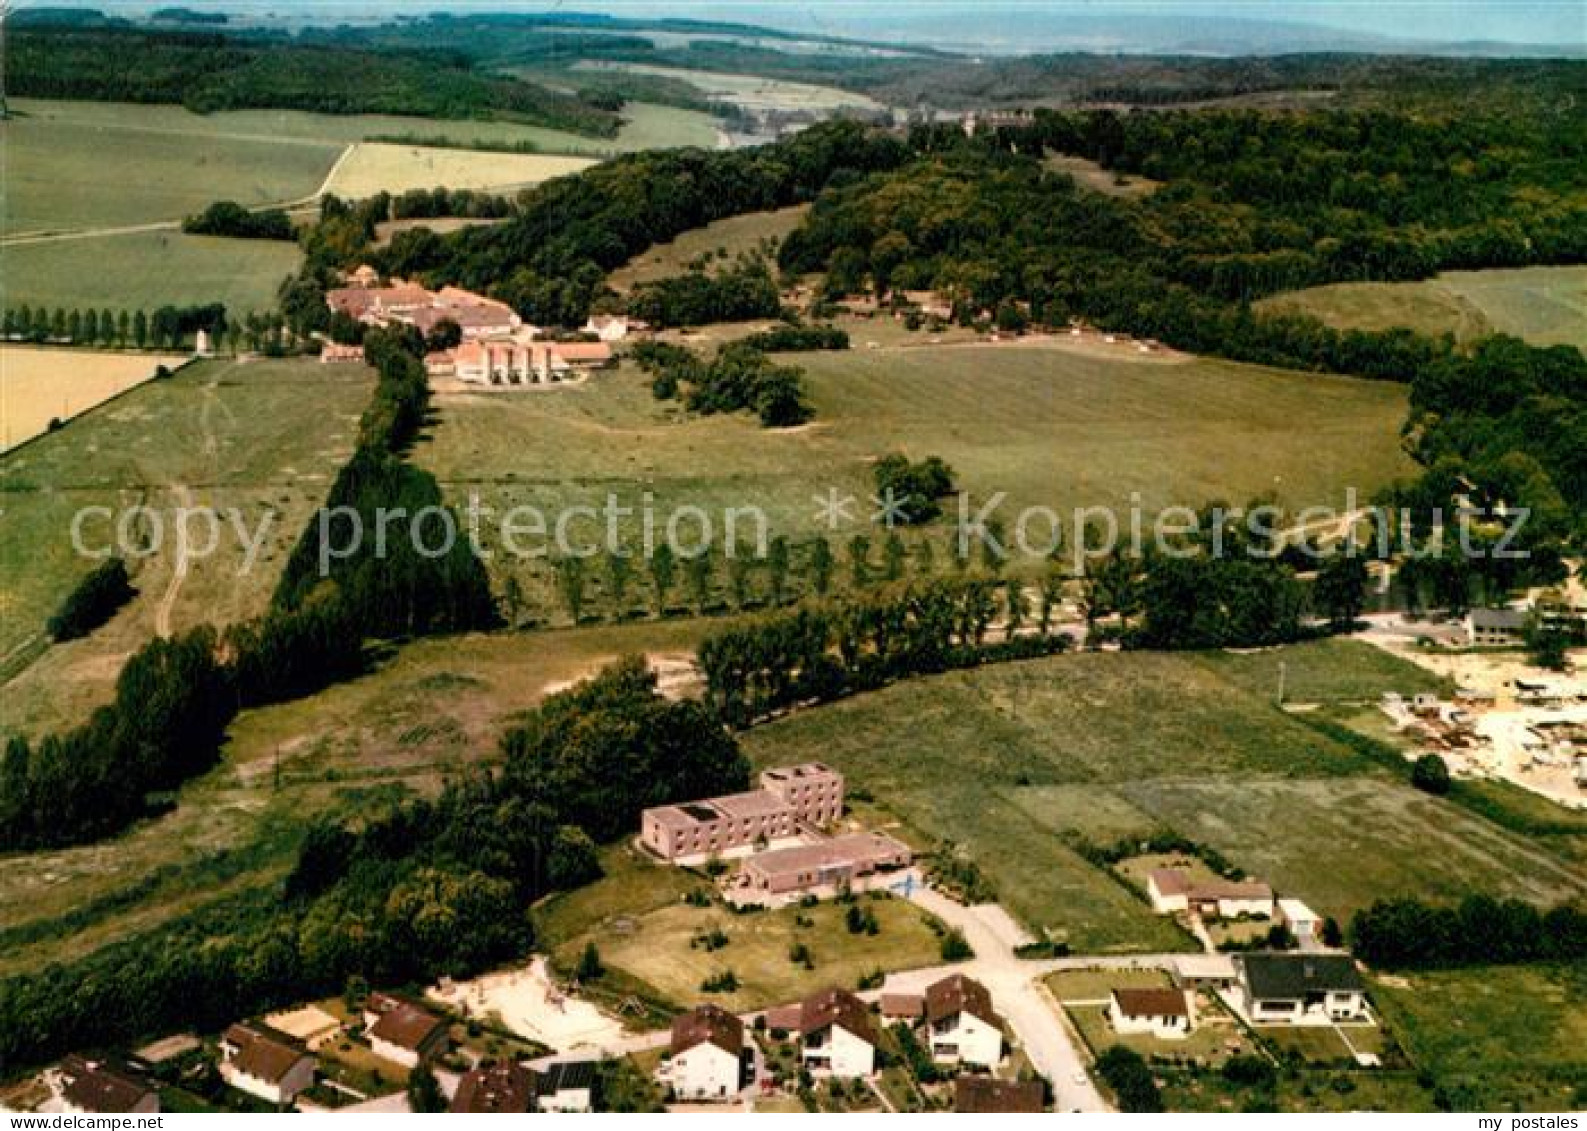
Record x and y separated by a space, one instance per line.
986 1095
566 1085
403 1032
1175 889
495 1088
707 1061
264 1063
103 1086
1495 628
836 1036
1160 1012
1298 988
789 799
961 1026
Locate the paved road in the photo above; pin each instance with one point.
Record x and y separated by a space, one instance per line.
1017 992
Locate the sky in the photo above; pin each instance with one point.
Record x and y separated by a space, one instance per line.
1018 24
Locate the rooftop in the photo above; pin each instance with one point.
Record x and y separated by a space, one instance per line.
495 1089
1498 618
1288 976
958 994
836 1007
707 1024
1152 1002
99 1086
839 852
402 1023
262 1052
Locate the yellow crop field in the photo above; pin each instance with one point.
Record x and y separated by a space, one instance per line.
375 166
38 385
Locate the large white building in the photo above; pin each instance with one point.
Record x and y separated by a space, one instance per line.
707 1055
961 1026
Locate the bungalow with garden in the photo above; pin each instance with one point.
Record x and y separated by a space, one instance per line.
1298 988
1160 1012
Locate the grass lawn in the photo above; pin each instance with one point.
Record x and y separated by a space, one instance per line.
1544 305
1097 985
1506 1038
1003 760
1043 425
1325 671
163 169
263 437
656 949
146 270
1214 1040
725 238
631 884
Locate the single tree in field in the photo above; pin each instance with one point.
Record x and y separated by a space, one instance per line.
1431 774
697 575
859 566
590 967
619 570
1016 607
570 580
894 555
821 567
663 575
512 600
777 568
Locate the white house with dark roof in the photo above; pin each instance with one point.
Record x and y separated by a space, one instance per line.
707 1059
961 1026
836 1036
264 1063
1297 988
1159 1012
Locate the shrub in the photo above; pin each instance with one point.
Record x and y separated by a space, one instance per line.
1431 775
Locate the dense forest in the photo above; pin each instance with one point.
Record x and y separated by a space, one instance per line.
414 891
207 71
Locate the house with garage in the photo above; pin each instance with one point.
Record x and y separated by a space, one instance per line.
1157 1012
961 1026
402 1032
1298 988
103 1086
268 1065
836 1036
495 1088
1176 890
707 1060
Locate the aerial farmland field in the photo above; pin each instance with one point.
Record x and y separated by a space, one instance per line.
262 437
146 270
41 385
1005 760
736 234
373 167
1045 424
1543 305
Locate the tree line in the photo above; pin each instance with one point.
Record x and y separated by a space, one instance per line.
742 293
1409 934
209 71
169 327
410 893
823 653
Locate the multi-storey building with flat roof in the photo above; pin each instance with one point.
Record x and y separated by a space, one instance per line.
790 798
